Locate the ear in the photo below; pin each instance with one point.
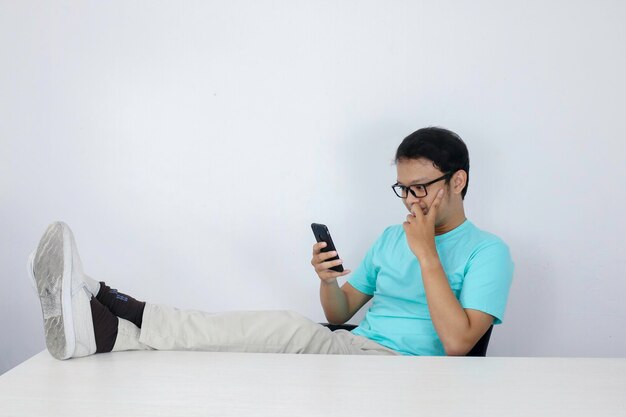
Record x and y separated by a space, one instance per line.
458 181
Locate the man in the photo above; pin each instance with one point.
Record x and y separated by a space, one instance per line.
437 282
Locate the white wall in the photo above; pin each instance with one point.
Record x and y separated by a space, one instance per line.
190 144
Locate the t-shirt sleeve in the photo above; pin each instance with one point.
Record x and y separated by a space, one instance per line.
488 277
364 277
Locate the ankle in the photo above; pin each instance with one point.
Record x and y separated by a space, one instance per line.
105 325
122 305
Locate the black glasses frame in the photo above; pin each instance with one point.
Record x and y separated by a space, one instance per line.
403 191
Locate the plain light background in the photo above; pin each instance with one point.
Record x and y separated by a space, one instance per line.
189 145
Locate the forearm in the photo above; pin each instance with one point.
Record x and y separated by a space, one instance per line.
334 302
448 316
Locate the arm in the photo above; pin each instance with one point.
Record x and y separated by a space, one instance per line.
459 329
339 304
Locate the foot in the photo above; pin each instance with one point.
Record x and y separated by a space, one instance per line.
63 293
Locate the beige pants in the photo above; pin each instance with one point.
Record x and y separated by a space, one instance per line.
168 328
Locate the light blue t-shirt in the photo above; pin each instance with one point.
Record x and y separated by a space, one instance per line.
479 269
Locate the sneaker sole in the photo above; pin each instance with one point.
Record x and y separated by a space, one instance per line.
52 269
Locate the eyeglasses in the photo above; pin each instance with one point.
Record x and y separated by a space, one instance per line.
417 190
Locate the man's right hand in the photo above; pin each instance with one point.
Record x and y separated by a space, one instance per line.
322 264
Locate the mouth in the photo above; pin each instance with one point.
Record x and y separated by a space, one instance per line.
424 210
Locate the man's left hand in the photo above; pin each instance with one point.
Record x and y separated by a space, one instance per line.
420 228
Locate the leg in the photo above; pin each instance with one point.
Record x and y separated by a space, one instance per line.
78 324
122 305
128 337
167 328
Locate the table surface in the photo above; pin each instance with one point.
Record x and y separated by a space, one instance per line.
157 383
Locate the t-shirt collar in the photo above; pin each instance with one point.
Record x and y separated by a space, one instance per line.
454 232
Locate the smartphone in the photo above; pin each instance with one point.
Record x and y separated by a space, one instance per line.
323 235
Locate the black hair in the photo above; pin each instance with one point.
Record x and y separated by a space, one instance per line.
443 147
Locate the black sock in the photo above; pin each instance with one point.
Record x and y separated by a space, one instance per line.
121 305
104 326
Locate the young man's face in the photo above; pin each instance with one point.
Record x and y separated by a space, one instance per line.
421 171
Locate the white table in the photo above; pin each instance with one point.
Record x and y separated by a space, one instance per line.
150 383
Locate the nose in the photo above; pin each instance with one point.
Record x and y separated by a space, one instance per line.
410 200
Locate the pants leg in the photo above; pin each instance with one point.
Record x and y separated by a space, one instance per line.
128 337
168 328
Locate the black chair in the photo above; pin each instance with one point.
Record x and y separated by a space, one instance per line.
479 349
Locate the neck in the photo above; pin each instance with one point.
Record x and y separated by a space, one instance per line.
450 222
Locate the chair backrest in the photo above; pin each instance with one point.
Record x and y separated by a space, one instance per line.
333 327
479 349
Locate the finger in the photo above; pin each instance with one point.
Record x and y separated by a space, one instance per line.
432 211
416 210
317 248
324 256
319 257
330 274
327 265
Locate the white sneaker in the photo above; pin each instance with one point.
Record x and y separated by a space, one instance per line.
65 299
